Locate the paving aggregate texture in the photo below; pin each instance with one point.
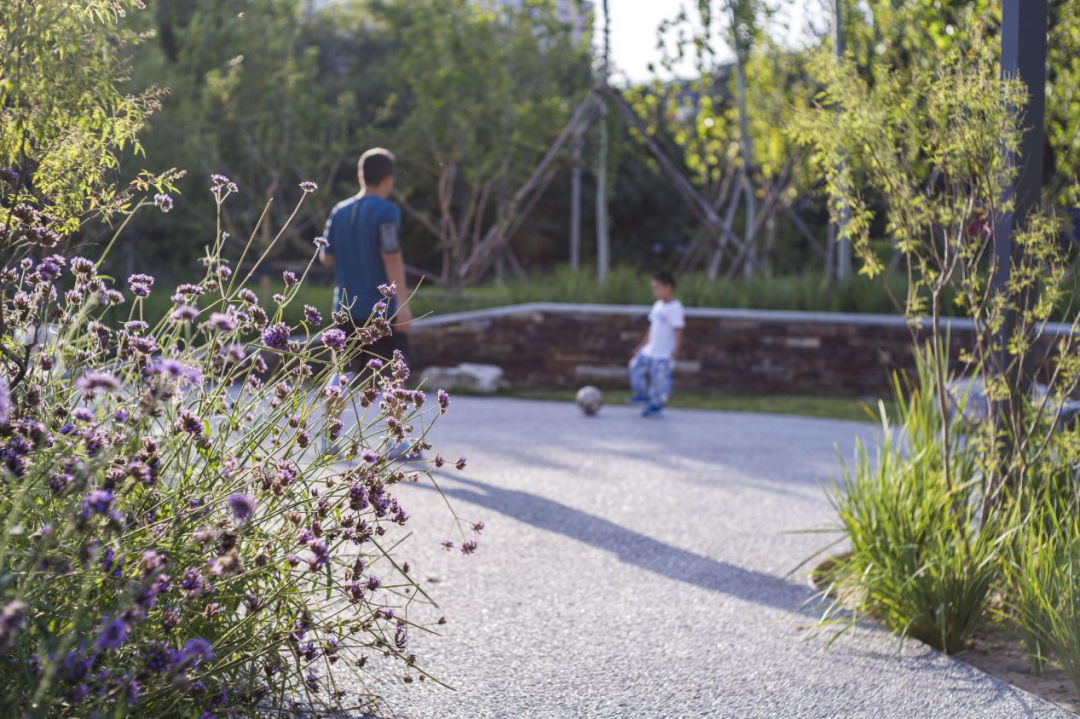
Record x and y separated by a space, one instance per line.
641 568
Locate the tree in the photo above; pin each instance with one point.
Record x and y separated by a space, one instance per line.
936 144
255 92
65 115
477 127
725 127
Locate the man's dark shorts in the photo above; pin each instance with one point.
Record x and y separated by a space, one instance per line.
383 349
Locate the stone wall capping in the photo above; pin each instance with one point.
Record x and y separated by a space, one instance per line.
792 317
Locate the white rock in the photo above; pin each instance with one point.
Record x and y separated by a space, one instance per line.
477 378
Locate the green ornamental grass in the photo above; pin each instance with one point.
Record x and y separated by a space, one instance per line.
919 561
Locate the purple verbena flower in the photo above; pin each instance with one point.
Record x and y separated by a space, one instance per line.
276 336
243 506
444 401
321 242
113 634
308 186
90 382
184 313
82 266
131 692
163 202
320 555
248 296
222 322
152 562
12 620
389 290
99 501
192 424
334 339
143 345
197 650
140 284
161 658
141 473
312 316
289 278
167 367
222 186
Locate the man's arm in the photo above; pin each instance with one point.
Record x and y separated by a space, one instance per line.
395 272
394 262
678 344
326 253
326 259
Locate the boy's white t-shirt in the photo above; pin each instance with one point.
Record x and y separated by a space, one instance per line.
664 319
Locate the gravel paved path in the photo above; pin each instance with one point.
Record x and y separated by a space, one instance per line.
635 568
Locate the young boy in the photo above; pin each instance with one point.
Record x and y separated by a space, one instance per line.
654 357
364 249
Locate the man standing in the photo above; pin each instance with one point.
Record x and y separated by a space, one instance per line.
364 249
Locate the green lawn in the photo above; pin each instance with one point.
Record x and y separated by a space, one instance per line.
851 408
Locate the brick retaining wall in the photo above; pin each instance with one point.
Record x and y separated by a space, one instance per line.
563 345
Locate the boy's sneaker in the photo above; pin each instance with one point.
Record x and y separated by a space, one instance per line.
634 399
652 412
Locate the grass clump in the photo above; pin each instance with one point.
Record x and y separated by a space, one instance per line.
919 561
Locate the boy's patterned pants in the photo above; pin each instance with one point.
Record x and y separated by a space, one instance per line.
651 377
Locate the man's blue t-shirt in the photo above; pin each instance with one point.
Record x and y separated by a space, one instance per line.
357 232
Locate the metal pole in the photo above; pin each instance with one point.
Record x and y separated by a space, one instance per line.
843 247
575 209
603 242
1023 55
576 172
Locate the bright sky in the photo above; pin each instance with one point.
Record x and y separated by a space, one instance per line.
633 34
634 24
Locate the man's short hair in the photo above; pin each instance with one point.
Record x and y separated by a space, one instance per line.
375 166
665 278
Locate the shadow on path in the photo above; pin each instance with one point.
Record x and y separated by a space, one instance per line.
637 549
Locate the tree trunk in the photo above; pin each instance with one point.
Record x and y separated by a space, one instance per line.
575 209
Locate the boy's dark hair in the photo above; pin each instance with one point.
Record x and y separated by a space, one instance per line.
376 165
665 278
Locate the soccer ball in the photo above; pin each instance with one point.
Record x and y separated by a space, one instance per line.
590 400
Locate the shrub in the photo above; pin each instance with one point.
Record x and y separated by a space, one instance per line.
173 540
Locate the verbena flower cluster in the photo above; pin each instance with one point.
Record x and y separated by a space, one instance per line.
198 512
